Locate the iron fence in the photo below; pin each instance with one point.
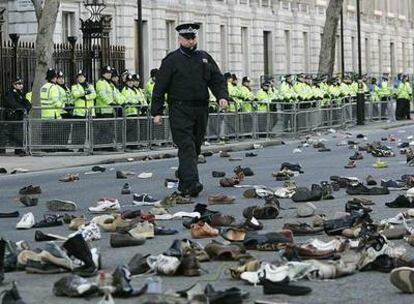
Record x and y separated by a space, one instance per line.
131 128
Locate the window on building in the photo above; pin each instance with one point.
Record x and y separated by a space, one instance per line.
266 3
367 56
68 25
287 51
170 41
267 53
306 57
245 50
243 1
223 51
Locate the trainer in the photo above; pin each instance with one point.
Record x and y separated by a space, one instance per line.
185 76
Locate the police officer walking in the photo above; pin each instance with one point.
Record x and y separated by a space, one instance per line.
186 75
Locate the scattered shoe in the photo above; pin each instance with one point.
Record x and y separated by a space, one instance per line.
371 181
221 199
121 175
403 279
400 201
69 178
203 230
144 199
61 205
393 185
29 190
74 286
380 164
77 247
356 156
49 220
28 201
105 205
98 169
145 175
306 210
26 222
125 240
126 189
350 165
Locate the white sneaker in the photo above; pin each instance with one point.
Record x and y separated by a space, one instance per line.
26 222
145 175
283 192
332 245
270 272
296 150
396 220
142 230
144 199
410 193
105 205
182 214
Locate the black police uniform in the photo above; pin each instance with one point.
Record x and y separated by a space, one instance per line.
16 105
185 75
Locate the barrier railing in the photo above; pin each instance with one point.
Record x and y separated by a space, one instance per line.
131 127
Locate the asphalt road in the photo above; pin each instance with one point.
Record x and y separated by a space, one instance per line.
364 287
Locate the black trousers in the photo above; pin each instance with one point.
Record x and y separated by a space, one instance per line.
188 127
402 110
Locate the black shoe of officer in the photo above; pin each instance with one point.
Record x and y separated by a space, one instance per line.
193 190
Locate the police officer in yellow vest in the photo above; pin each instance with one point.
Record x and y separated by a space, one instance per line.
263 97
403 94
131 97
83 95
50 101
149 85
65 96
118 97
142 101
104 94
246 94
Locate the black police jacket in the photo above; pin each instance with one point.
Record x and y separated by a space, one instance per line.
15 105
186 76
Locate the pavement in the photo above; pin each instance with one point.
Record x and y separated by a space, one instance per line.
363 287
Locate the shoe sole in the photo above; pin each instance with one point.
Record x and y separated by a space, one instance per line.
136 203
403 279
61 206
107 211
42 271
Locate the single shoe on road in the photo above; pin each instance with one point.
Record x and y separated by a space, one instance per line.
26 222
350 165
126 189
30 190
125 240
203 230
393 184
29 201
371 181
49 220
61 205
69 178
220 198
360 189
380 164
144 199
401 201
105 205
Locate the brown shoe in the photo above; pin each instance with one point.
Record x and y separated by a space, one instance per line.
218 251
268 211
116 224
199 251
310 252
216 199
203 230
76 223
229 181
189 266
221 220
69 178
302 229
318 220
251 265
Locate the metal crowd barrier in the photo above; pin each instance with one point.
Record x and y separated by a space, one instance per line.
131 128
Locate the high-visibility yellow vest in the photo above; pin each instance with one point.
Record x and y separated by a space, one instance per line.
105 97
84 100
50 101
131 101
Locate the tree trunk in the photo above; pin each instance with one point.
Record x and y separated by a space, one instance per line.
46 20
327 53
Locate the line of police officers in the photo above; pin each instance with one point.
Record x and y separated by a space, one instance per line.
307 88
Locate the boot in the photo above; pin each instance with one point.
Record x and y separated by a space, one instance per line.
121 279
2 251
78 247
12 296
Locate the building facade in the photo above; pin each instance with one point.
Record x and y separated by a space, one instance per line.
246 37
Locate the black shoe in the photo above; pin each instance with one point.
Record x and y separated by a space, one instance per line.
138 264
121 281
248 172
193 190
336 226
360 189
78 247
3 171
231 295
316 193
335 186
218 174
98 169
28 201
292 167
9 214
121 175
284 287
174 250
371 181
12 296
250 154
43 237
74 286
353 205
49 220
302 194
326 191
2 253
126 189
400 202
207 153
